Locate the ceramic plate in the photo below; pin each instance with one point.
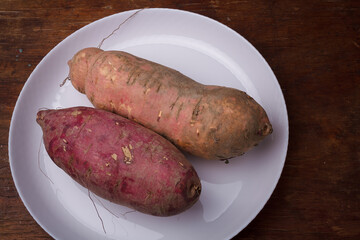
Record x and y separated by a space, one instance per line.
199 47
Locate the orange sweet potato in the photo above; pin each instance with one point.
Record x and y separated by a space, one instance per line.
120 160
208 121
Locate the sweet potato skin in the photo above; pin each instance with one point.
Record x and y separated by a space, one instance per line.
120 160
208 121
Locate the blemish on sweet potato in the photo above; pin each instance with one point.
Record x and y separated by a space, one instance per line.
113 67
104 71
158 88
179 110
133 75
212 133
195 190
196 110
117 183
125 188
173 104
148 195
127 108
128 157
147 80
71 161
147 90
112 106
92 98
159 115
114 156
88 172
88 148
75 113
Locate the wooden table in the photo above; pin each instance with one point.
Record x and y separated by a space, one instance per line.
313 48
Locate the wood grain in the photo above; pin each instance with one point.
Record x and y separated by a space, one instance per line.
313 48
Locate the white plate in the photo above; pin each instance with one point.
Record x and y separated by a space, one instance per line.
201 48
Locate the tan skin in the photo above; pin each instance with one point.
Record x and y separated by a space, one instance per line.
211 122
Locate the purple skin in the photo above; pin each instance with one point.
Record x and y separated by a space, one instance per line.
120 160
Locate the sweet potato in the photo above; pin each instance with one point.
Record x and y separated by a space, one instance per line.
120 160
212 122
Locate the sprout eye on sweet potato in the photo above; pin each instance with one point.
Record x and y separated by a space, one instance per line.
208 121
120 160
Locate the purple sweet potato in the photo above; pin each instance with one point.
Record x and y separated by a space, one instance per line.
120 160
208 121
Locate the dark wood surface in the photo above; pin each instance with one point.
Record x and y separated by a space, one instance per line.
313 48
